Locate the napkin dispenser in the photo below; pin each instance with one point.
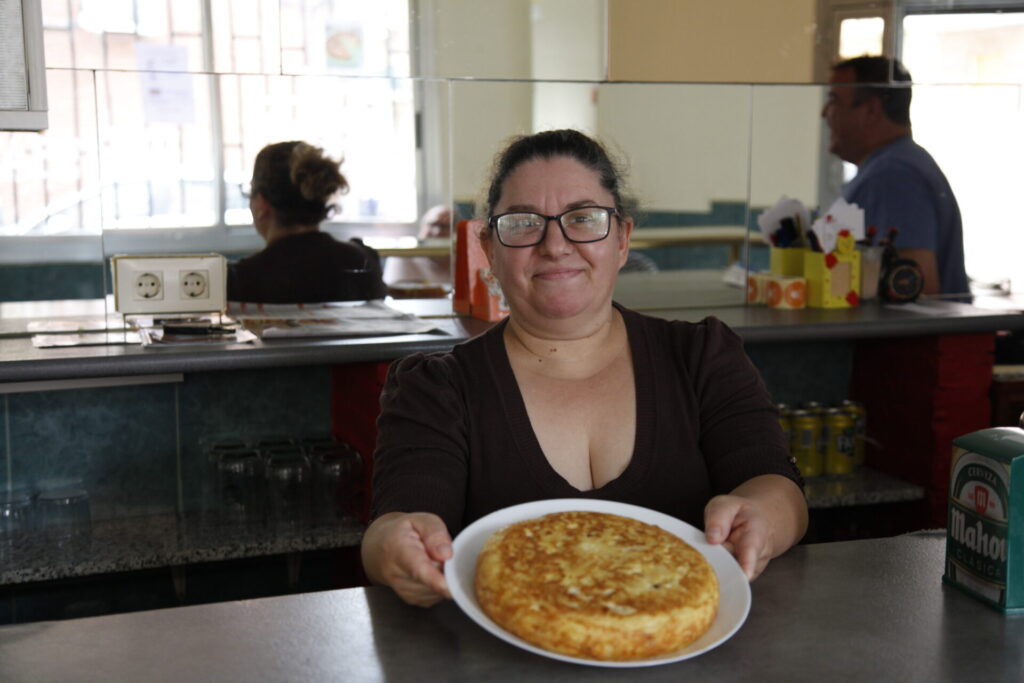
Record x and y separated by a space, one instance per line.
985 528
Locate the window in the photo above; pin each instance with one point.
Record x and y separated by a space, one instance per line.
861 36
158 108
968 71
22 78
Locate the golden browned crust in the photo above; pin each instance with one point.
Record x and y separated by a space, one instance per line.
596 586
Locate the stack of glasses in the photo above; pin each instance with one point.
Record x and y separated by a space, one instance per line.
56 511
282 485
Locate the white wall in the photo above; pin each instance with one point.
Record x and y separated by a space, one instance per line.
687 145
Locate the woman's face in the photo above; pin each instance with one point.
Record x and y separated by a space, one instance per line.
557 278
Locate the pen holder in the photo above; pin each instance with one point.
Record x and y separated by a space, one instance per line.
788 262
833 279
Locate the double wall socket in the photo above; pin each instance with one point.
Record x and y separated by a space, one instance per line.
177 283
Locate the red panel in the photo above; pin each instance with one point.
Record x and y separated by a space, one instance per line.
355 406
920 394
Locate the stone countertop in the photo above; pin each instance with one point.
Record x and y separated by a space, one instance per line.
874 610
863 487
159 541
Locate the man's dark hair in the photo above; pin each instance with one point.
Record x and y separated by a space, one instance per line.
889 82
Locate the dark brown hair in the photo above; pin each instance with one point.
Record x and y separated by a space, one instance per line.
558 143
298 180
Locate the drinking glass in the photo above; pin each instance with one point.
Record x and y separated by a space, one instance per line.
870 271
337 482
288 491
65 519
271 442
238 489
15 522
213 449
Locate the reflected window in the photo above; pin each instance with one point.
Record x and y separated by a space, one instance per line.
861 36
968 71
155 121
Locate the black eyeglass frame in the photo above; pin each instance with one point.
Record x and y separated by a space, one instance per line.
493 223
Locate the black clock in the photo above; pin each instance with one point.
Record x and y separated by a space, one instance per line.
901 279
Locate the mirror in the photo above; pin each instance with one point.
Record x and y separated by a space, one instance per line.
715 112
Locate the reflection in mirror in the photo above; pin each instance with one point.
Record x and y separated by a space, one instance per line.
709 148
968 68
50 243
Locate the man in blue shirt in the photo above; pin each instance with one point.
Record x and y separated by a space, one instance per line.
898 184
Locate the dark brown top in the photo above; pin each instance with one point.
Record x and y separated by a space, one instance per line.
308 267
455 438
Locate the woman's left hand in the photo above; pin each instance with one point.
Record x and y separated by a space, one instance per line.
741 528
760 519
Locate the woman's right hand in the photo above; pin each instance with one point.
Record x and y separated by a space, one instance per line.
407 551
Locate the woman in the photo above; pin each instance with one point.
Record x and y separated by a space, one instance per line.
292 183
573 395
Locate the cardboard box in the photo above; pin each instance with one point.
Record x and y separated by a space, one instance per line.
985 532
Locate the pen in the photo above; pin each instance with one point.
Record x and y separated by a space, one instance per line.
869 237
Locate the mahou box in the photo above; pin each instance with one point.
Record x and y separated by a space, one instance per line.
985 528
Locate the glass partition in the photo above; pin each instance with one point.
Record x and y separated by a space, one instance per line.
156 118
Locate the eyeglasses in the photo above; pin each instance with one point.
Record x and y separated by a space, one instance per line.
525 229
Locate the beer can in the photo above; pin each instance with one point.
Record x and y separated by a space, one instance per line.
839 448
785 415
860 429
806 428
817 409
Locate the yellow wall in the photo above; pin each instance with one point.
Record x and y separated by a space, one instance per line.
722 41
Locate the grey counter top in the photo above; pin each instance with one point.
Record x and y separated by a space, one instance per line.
854 611
657 294
863 487
158 541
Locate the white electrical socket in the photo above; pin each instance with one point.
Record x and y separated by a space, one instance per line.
195 284
169 283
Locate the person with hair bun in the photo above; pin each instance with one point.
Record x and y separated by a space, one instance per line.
292 186
573 395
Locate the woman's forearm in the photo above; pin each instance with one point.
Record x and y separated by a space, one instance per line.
371 550
784 506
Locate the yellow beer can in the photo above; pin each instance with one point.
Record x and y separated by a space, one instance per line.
860 429
806 428
839 447
817 409
785 421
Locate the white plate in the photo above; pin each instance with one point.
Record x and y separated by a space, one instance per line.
733 607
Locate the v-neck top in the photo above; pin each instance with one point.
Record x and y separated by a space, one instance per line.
455 439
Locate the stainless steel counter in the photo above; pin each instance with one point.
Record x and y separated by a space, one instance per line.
856 611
